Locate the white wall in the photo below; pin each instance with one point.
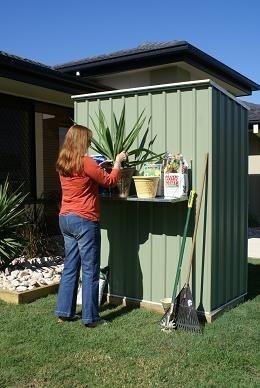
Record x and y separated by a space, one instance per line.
163 74
34 92
155 76
254 164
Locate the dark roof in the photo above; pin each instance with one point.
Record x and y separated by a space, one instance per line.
142 48
154 54
25 60
26 70
254 112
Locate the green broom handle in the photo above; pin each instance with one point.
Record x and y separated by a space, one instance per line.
177 278
197 217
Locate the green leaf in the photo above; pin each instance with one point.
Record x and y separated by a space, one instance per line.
112 140
11 220
120 129
133 135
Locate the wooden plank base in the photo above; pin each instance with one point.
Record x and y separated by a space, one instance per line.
152 306
28 296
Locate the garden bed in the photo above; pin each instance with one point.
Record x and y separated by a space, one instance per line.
26 280
27 296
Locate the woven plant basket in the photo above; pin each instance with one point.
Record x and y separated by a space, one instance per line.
146 186
124 182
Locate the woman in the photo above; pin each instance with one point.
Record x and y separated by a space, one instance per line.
80 177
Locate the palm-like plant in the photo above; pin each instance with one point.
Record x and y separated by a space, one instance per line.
11 212
111 142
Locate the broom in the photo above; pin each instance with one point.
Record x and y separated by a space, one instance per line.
167 322
186 317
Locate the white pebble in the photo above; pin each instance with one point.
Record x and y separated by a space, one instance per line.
16 283
21 288
35 272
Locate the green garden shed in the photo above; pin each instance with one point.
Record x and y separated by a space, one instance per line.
141 239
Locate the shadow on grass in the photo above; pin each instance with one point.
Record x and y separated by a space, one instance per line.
113 312
253 280
110 311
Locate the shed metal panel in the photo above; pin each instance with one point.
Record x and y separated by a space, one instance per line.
229 199
141 241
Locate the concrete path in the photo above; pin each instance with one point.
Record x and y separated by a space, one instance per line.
254 242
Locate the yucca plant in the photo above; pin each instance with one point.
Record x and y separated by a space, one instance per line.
112 141
11 212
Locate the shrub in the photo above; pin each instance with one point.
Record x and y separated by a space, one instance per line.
34 232
11 220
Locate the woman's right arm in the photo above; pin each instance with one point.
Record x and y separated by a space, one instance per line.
99 175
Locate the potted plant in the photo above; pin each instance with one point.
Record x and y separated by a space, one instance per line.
112 140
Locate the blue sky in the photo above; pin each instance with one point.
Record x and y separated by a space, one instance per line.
57 31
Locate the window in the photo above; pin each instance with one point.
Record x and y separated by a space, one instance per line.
17 143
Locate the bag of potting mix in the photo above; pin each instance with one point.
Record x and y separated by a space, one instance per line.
103 280
175 176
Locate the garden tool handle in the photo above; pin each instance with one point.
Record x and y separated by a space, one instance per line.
197 217
178 271
191 198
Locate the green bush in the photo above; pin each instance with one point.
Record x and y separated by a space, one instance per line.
11 220
34 233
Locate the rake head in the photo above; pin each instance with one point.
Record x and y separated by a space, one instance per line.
186 317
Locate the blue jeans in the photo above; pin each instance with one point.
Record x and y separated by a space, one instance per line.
82 249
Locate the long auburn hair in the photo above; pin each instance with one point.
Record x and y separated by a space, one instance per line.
75 146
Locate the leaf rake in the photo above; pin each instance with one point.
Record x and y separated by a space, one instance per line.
186 316
167 322
182 313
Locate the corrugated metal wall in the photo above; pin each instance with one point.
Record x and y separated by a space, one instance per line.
141 241
229 199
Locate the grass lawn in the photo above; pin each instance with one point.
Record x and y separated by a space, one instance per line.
132 351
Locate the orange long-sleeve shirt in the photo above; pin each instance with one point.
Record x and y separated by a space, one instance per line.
80 193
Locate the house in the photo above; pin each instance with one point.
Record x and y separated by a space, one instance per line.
36 108
158 63
202 93
169 62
